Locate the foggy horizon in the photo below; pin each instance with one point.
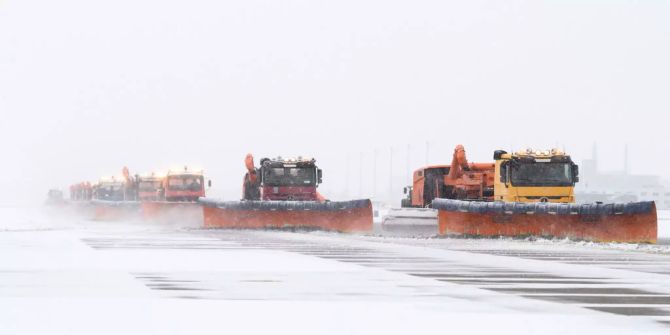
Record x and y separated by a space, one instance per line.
357 243
89 87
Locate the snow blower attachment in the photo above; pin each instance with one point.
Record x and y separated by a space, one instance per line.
282 194
464 181
521 194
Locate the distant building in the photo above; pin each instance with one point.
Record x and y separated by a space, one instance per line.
619 186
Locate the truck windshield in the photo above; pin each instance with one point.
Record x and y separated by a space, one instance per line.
185 183
149 186
293 176
542 174
110 192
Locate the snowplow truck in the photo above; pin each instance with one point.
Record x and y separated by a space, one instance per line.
172 198
149 187
282 193
533 195
526 193
81 191
527 176
115 198
184 185
55 197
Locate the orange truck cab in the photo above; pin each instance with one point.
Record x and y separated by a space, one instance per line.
427 184
184 185
149 187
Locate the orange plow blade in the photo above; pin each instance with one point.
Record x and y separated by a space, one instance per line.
82 208
628 223
188 213
115 210
344 216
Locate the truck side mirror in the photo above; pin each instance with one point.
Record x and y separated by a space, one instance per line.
319 175
503 172
575 173
209 183
404 190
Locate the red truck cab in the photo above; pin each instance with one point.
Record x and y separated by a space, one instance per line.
110 189
149 187
290 179
184 185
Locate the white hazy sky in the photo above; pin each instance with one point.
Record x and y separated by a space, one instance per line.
87 87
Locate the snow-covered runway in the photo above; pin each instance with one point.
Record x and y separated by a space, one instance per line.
63 275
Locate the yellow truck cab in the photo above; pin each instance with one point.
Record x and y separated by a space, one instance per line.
535 176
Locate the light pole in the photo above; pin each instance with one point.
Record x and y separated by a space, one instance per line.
360 176
374 173
390 175
346 183
408 158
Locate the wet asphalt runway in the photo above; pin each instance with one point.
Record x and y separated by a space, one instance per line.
648 296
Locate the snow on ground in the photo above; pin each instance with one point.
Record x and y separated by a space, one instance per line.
664 224
61 274
663 246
